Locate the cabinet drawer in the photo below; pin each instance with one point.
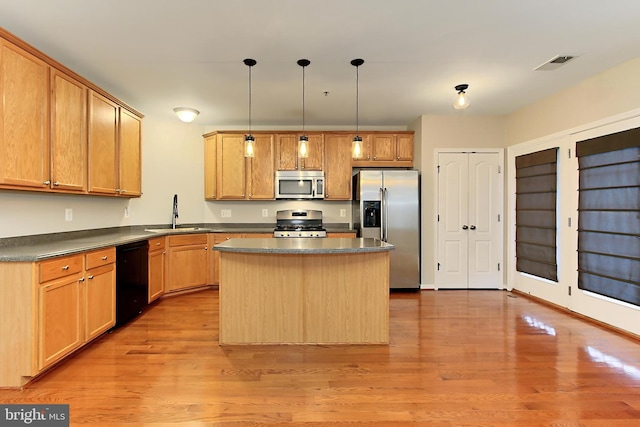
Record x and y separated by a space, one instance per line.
60 267
156 244
188 239
101 257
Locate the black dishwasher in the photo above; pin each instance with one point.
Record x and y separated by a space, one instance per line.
132 280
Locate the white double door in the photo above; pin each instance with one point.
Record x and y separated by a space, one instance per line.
470 220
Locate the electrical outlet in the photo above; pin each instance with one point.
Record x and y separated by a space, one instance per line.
343 213
126 212
68 214
225 213
265 212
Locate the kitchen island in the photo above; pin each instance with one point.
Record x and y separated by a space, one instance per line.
304 291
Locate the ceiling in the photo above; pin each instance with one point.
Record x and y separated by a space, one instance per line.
158 54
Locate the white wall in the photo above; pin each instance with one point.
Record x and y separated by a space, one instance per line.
459 131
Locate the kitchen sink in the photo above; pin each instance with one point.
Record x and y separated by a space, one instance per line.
172 230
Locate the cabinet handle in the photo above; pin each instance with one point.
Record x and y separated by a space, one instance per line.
46 183
104 258
464 227
205 248
157 243
66 267
164 253
473 227
90 276
398 158
375 157
56 183
81 279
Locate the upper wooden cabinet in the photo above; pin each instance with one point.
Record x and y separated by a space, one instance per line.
238 177
68 133
386 150
337 171
287 156
61 133
210 167
24 119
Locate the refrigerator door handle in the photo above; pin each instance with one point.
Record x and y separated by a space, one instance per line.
385 218
382 214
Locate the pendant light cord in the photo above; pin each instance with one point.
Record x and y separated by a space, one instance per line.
357 99
303 100
249 100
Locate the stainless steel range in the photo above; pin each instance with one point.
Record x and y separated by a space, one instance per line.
299 223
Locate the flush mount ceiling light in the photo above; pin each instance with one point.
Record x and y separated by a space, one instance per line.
462 100
303 142
185 114
356 144
249 140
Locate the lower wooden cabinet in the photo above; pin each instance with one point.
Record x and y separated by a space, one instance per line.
188 261
76 302
157 268
216 238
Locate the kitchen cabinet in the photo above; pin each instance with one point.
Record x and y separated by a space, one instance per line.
114 148
337 170
59 315
100 292
24 119
157 268
188 261
240 178
210 167
68 133
386 150
287 156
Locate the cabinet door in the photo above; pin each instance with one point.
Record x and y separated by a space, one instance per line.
68 133
156 274
24 119
100 300
129 155
188 266
231 167
404 147
315 161
210 167
337 174
103 161
383 147
287 152
261 173
59 319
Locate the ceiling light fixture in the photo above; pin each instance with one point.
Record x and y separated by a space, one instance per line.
303 143
356 145
185 114
462 99
249 140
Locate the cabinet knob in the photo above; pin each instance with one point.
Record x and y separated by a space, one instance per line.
465 227
46 183
104 258
473 227
90 276
375 157
368 157
398 158
157 243
205 248
81 279
56 183
66 267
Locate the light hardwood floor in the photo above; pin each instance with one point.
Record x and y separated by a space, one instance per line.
456 358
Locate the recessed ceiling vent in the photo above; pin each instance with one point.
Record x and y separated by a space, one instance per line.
555 62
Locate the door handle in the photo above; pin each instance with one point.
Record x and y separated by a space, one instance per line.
464 227
473 227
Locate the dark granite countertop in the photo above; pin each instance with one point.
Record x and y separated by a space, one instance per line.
303 246
45 246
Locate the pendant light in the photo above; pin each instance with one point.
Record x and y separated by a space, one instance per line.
356 145
249 140
303 142
462 100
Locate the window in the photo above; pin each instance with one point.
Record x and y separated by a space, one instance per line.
536 183
609 215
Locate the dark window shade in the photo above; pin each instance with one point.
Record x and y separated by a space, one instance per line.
536 187
609 215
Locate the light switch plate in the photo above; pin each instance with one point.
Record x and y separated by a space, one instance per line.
343 213
68 214
265 212
225 213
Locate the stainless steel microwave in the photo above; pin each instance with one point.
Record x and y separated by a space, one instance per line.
299 185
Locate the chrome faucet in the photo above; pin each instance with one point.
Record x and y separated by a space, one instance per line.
174 216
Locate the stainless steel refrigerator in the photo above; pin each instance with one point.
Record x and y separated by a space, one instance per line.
386 206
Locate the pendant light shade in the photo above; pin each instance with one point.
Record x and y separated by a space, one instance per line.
462 99
356 144
303 142
249 140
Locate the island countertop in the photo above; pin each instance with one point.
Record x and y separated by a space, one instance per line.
303 245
